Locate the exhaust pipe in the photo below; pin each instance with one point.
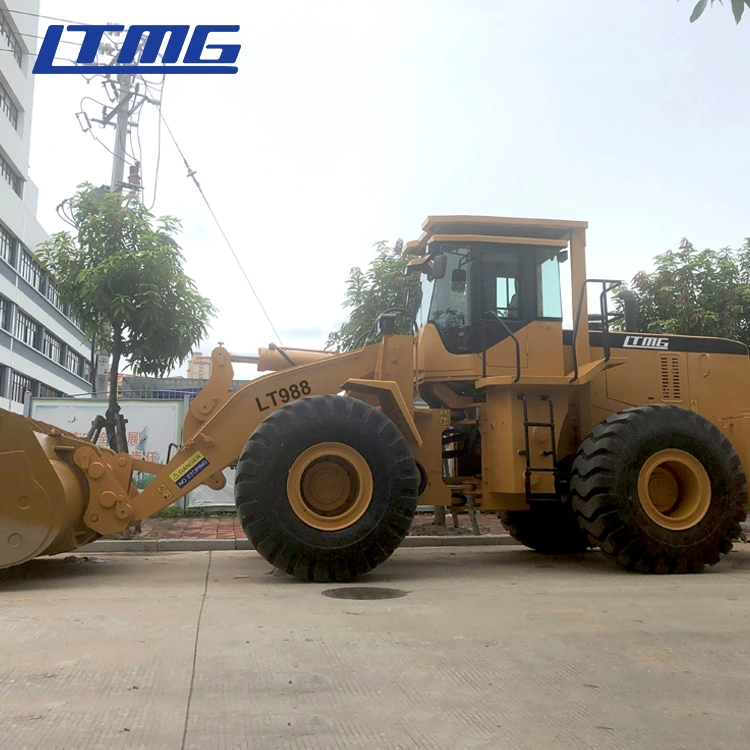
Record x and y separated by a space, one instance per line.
631 314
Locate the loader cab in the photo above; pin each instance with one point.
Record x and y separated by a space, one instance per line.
487 298
477 293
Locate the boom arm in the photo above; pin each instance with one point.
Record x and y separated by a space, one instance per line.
229 420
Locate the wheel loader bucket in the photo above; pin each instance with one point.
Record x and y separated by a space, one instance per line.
43 495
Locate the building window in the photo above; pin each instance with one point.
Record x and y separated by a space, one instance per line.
74 362
53 347
19 384
86 370
46 392
4 313
7 34
29 269
71 316
11 176
7 245
8 107
26 329
51 293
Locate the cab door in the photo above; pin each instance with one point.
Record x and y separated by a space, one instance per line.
503 296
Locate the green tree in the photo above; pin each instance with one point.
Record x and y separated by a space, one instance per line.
738 8
121 273
696 293
371 292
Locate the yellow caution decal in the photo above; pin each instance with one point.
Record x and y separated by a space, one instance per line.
165 492
189 470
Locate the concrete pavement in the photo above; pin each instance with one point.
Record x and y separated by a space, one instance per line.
491 647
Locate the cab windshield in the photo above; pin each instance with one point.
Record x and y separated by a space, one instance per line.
487 288
449 307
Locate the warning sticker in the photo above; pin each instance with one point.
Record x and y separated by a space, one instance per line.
189 470
165 492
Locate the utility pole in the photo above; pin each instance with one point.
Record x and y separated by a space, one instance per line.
124 82
123 112
125 92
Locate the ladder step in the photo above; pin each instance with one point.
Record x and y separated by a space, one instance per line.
530 497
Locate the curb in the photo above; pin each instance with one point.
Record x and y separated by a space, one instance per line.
203 545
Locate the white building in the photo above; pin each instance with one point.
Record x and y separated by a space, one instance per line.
41 347
199 366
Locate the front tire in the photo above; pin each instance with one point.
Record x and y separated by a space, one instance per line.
659 489
326 488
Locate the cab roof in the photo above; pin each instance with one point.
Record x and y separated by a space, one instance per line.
514 231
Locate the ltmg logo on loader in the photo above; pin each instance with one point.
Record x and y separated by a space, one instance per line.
193 60
646 342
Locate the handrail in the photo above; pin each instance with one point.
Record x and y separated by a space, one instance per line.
511 334
605 319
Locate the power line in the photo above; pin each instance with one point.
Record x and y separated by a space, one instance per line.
191 173
49 18
37 36
130 141
36 54
53 18
90 130
158 137
140 147
41 15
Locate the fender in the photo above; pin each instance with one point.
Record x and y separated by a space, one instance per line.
391 401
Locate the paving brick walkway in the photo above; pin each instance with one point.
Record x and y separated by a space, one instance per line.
228 527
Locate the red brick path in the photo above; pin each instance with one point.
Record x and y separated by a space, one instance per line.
228 527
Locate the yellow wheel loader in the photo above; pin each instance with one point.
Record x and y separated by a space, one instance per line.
626 441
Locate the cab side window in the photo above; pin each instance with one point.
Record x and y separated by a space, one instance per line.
548 299
500 287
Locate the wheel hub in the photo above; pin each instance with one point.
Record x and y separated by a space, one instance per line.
674 489
329 486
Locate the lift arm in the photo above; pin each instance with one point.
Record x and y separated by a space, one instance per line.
216 441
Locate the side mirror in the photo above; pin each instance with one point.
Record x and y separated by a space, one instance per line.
439 266
458 280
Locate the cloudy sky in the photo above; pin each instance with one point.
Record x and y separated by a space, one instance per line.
350 122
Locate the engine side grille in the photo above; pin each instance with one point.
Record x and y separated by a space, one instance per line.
671 388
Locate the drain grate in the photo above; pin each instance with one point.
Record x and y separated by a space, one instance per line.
361 593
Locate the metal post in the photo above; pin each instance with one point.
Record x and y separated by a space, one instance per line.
183 502
101 377
121 132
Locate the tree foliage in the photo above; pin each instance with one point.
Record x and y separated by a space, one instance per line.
696 293
121 273
738 8
368 293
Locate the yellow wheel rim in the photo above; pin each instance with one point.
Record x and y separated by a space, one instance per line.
674 489
329 486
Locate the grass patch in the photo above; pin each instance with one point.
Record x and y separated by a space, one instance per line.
173 511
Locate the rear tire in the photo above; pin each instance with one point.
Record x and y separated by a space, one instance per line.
659 489
549 529
289 481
